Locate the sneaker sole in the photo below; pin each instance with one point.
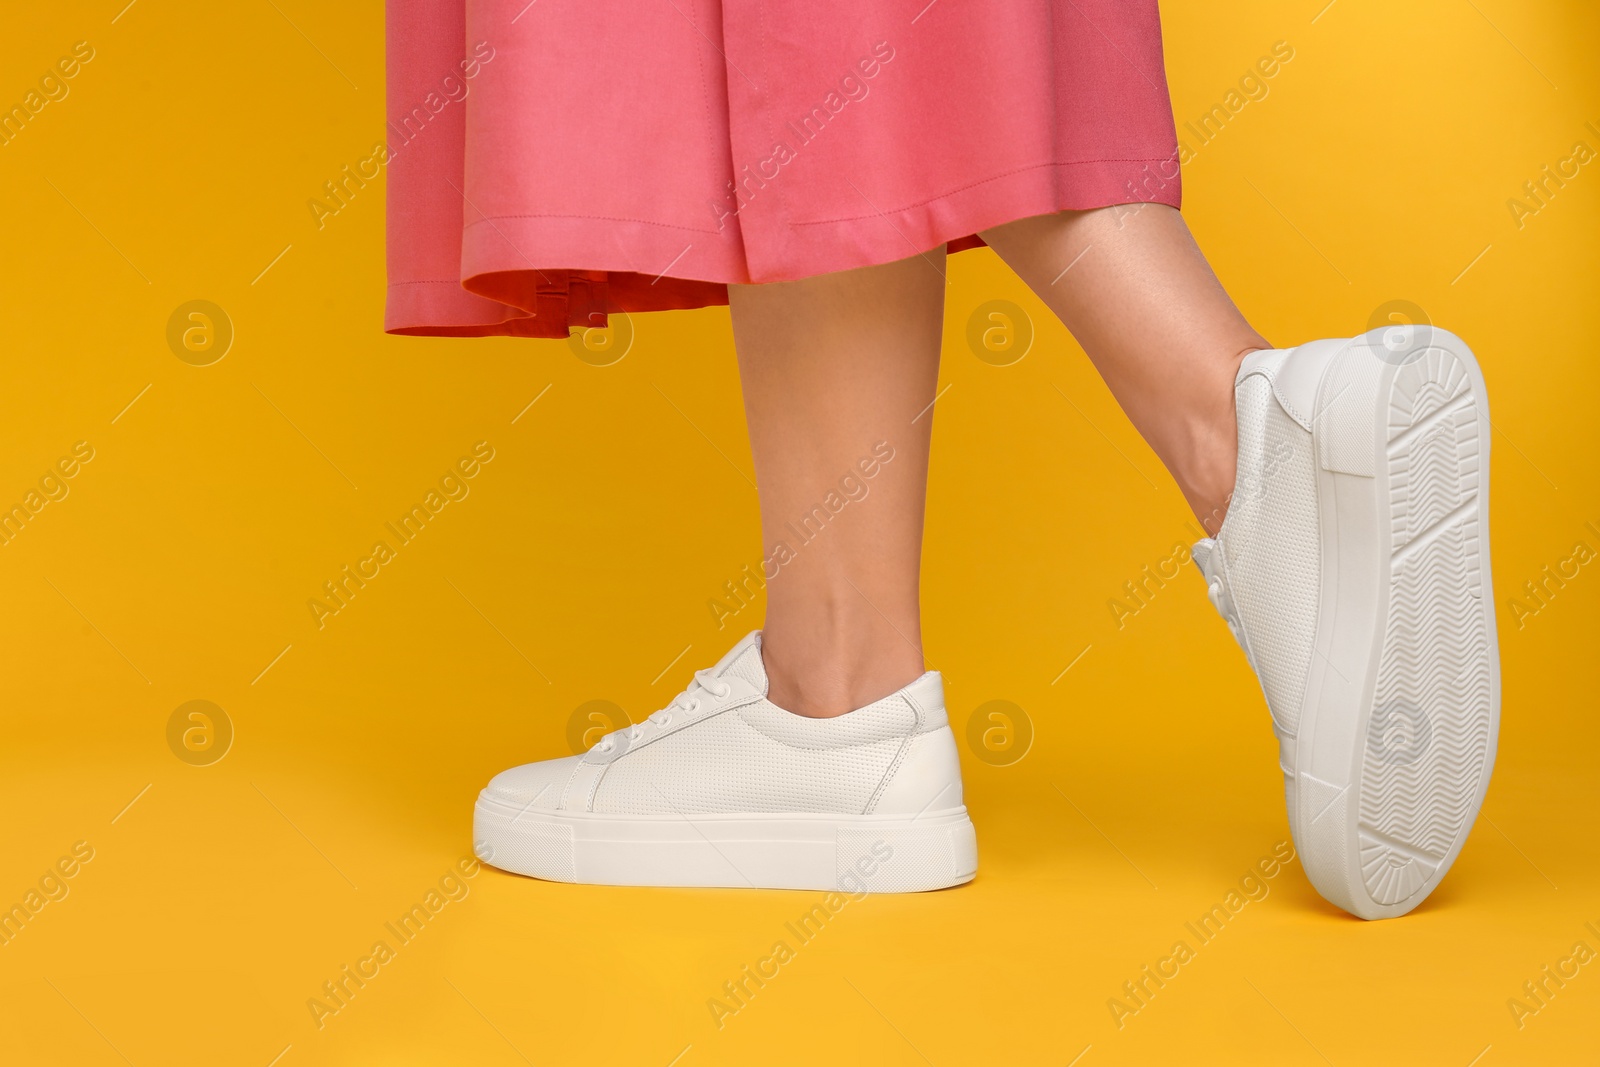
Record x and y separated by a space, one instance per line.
1397 736
845 853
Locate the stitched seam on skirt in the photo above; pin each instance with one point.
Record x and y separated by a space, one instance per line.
974 185
598 218
705 90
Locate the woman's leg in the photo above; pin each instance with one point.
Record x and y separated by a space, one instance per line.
1366 474
839 369
838 375
1134 289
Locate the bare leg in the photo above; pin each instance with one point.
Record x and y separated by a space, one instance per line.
1145 306
833 367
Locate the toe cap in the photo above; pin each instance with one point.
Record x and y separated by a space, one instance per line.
537 785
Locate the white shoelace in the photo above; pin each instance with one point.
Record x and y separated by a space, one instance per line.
1224 605
687 701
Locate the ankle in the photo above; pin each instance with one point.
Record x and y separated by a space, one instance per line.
1210 469
825 673
1208 482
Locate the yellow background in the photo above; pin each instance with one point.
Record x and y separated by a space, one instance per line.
179 567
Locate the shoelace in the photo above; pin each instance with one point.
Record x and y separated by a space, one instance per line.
687 702
1222 600
1224 605
1210 564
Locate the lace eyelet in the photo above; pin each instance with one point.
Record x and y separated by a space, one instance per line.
694 706
665 722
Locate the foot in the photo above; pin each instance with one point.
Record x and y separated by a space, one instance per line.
724 788
1353 569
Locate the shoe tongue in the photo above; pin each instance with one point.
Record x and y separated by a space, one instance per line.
743 661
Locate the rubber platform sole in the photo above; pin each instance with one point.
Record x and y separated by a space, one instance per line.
847 853
1398 731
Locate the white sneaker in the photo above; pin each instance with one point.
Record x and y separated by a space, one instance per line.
724 788
1353 569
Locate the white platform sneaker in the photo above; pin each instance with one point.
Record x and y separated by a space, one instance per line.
1353 569
723 788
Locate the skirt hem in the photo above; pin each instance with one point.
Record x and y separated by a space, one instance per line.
510 286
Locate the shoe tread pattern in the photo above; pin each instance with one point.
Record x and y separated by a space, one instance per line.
1432 712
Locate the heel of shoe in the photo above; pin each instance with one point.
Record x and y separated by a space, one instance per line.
911 857
926 777
920 836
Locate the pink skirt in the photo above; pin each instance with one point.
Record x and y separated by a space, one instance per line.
554 160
